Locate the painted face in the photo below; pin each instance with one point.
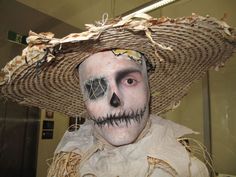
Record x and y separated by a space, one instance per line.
116 94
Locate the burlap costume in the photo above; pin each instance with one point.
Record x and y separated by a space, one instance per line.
156 153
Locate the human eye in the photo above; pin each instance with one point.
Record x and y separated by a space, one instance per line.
129 81
129 78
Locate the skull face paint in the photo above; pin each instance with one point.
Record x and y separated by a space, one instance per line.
116 95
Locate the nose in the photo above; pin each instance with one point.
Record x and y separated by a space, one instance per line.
115 101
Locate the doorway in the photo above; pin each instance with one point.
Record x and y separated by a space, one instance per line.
19 128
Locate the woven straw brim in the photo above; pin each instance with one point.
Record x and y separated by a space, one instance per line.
181 51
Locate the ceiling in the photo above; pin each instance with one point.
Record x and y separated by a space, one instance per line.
79 12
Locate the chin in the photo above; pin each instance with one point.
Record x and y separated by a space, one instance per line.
116 141
120 135
121 143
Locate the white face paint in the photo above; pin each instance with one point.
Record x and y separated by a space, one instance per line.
116 94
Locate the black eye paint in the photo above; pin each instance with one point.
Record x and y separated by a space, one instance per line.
96 88
121 74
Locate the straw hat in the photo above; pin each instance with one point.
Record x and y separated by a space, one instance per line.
179 50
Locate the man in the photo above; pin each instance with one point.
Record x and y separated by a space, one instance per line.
119 73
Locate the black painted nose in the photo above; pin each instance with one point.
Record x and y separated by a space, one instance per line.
115 101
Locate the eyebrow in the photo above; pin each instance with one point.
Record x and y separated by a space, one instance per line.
121 74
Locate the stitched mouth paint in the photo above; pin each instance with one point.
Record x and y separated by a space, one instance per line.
120 117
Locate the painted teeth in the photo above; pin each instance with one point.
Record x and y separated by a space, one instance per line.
117 118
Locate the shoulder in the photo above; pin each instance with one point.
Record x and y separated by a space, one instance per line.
176 129
70 150
180 154
198 168
80 139
64 163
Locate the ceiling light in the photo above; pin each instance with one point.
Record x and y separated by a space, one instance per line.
151 7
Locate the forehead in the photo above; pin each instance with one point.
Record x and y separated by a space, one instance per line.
105 63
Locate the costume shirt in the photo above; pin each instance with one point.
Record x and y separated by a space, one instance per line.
157 154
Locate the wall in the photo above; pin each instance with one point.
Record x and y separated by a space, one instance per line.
223 101
80 12
22 21
46 147
190 111
20 18
222 89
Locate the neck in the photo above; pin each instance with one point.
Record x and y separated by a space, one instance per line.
110 146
